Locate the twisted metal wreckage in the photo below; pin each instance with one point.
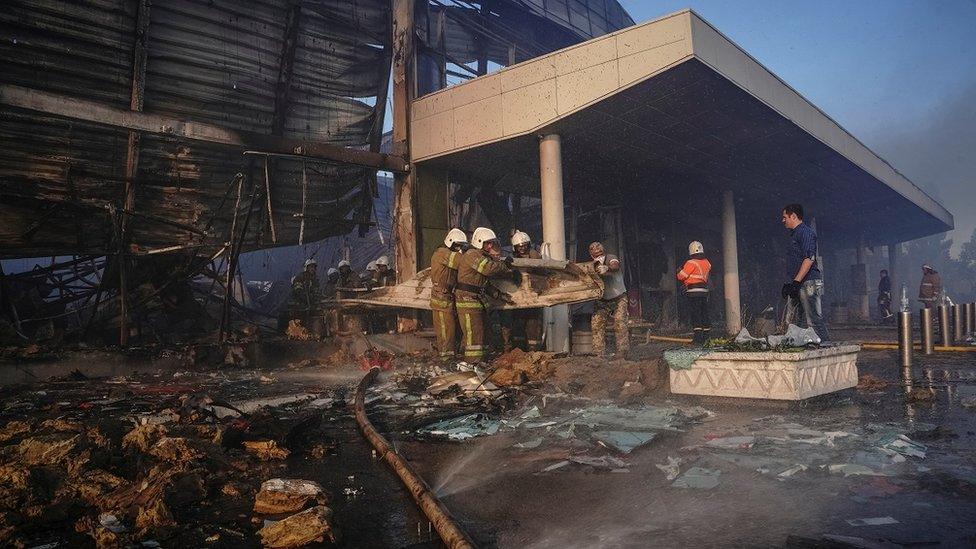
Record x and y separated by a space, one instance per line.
147 145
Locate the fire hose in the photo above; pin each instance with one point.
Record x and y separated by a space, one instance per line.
448 530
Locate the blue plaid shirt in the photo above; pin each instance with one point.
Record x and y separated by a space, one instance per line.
803 246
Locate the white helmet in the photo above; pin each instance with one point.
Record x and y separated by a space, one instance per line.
383 261
310 261
371 266
482 235
332 271
343 263
455 236
520 238
695 248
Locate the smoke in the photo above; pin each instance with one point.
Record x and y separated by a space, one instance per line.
937 151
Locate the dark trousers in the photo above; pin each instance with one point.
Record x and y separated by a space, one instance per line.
698 303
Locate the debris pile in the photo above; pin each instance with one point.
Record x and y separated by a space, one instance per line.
126 463
518 367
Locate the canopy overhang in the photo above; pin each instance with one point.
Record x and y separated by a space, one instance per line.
672 111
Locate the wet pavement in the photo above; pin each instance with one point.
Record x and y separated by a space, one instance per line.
770 464
505 500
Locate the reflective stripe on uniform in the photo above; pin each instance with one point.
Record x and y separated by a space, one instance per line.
442 303
481 265
468 336
469 305
443 324
474 354
452 260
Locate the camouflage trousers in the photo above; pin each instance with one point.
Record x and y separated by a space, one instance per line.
603 312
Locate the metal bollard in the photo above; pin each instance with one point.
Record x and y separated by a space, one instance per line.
905 337
957 323
967 319
928 336
944 327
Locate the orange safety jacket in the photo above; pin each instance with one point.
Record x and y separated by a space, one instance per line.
694 275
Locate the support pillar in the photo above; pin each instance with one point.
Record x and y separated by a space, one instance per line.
404 213
554 231
859 279
730 260
894 250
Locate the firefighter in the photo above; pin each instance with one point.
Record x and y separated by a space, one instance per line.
368 278
383 275
479 263
613 304
526 323
331 313
443 276
694 276
331 280
930 290
347 278
884 297
306 295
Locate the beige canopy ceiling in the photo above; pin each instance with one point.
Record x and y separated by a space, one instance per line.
676 98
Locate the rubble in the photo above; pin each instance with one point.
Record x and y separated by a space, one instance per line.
698 478
266 450
311 525
298 332
280 495
518 367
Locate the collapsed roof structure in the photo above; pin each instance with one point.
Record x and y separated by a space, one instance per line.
150 132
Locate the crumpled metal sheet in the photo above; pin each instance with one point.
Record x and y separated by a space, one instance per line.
214 61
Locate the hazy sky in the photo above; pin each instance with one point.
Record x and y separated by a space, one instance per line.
899 75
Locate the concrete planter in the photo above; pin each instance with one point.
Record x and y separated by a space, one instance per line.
775 376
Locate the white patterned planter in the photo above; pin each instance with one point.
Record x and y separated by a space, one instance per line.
769 375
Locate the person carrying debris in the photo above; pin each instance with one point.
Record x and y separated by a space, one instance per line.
805 290
526 323
930 290
306 297
884 296
331 280
383 275
479 263
613 304
368 278
443 277
694 276
347 278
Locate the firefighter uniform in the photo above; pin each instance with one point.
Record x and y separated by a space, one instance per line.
474 269
527 323
694 276
613 305
443 277
930 290
306 305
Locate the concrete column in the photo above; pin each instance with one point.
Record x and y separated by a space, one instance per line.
859 277
554 232
730 259
894 250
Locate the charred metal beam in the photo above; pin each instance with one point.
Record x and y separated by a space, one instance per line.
90 111
285 68
137 100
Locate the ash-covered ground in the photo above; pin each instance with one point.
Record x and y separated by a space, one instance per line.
529 451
